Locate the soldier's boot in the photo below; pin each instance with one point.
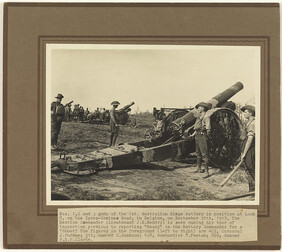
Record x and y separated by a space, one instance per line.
115 139
251 184
199 163
111 141
206 170
198 169
250 181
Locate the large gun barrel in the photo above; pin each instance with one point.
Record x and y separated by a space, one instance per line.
189 119
122 114
69 103
126 108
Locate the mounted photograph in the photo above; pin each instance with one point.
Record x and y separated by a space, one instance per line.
136 124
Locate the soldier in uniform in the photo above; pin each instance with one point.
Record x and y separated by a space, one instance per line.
202 132
113 123
81 113
76 112
155 112
102 114
248 147
68 112
96 114
57 116
86 113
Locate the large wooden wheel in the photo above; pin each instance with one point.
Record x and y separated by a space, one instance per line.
225 139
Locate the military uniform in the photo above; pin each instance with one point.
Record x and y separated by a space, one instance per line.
113 124
249 159
202 128
57 116
68 113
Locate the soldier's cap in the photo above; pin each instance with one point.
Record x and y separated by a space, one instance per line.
115 103
203 104
59 96
250 108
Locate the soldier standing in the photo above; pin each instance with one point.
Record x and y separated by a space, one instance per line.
96 114
202 132
76 112
57 116
81 113
248 147
113 124
68 112
86 113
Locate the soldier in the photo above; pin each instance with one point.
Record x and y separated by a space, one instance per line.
68 112
81 113
161 114
76 112
155 113
86 113
248 147
102 114
113 124
202 132
57 116
96 114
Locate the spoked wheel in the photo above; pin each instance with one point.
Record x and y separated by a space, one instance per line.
225 139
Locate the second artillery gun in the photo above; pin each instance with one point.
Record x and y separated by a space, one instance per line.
104 118
225 142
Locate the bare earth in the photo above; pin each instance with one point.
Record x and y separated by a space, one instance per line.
167 180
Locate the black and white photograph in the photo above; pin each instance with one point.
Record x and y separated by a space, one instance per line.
137 124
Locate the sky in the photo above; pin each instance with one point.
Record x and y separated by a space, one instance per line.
152 75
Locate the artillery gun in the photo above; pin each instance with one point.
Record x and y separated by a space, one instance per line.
122 114
164 117
104 118
68 104
225 141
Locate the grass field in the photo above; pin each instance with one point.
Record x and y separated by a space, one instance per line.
166 180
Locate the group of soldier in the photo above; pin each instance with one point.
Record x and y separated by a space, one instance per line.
60 113
80 114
